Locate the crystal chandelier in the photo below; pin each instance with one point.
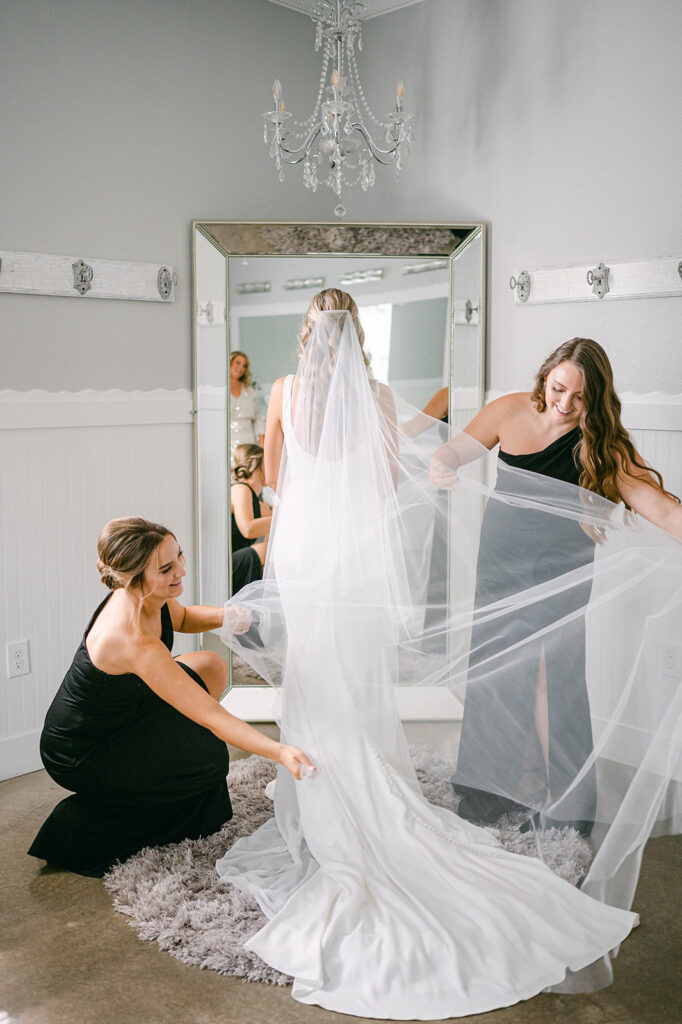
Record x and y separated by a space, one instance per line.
335 145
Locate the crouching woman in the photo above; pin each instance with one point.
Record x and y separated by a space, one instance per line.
140 737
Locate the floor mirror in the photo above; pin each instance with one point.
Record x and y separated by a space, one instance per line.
421 293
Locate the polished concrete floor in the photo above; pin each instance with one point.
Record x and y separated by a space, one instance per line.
66 957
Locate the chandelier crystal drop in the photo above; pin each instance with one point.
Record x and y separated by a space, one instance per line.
335 145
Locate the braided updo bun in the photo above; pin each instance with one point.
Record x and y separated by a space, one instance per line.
247 459
124 547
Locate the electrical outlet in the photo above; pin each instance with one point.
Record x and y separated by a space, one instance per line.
671 660
17 658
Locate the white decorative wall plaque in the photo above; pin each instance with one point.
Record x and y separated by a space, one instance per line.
78 277
635 279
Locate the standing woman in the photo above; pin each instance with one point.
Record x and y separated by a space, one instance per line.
246 423
137 735
569 429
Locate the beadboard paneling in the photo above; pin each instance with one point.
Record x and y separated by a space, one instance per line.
75 461
58 486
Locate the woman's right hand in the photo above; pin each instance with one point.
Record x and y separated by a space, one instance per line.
442 475
294 760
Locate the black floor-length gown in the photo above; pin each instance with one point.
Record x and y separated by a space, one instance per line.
500 762
142 773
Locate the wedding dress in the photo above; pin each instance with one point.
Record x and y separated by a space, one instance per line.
380 904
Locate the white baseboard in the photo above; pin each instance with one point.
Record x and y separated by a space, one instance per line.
20 755
415 704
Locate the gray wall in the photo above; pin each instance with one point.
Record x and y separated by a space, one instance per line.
555 122
417 339
270 343
121 121
558 123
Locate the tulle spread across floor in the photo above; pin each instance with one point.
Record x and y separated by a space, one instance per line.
172 895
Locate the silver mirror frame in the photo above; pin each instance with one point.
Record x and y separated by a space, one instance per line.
322 239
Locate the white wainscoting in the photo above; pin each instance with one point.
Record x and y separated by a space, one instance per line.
69 463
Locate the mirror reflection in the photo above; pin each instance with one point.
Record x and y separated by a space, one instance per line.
424 333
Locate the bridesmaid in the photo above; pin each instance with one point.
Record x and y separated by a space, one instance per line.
251 518
138 736
568 428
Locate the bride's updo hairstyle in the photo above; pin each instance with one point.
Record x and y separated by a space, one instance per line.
247 459
605 447
328 300
124 547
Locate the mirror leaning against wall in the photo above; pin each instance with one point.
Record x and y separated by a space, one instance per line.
420 289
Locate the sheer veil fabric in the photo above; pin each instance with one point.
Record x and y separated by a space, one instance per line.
378 903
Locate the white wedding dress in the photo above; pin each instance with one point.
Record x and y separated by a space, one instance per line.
379 904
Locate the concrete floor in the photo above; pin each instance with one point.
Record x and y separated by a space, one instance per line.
66 957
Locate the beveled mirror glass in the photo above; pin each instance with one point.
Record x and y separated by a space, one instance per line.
420 289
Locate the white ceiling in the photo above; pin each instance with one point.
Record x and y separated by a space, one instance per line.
374 7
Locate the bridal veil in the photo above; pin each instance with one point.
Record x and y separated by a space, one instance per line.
378 903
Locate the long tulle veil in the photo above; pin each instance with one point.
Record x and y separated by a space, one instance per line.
377 579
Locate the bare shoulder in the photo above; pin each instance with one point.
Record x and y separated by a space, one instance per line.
276 395
116 649
386 399
384 393
495 417
146 649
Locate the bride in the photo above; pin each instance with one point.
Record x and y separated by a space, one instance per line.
379 903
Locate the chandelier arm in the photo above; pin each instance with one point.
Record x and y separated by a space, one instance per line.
374 149
304 150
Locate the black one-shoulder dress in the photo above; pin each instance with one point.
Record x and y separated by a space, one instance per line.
142 773
246 563
500 760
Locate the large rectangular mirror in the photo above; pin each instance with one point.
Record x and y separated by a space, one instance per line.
420 289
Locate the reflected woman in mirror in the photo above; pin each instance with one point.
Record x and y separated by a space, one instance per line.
251 518
246 422
569 429
140 737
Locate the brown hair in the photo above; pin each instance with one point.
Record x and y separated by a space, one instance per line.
246 377
330 299
246 460
605 448
124 547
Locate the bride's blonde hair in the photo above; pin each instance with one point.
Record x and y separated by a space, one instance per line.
330 299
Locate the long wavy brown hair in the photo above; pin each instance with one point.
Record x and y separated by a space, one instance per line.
605 448
246 377
330 299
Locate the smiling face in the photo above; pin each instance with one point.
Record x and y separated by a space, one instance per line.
238 367
564 393
165 569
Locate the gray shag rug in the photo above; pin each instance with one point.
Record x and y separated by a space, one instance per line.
172 894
